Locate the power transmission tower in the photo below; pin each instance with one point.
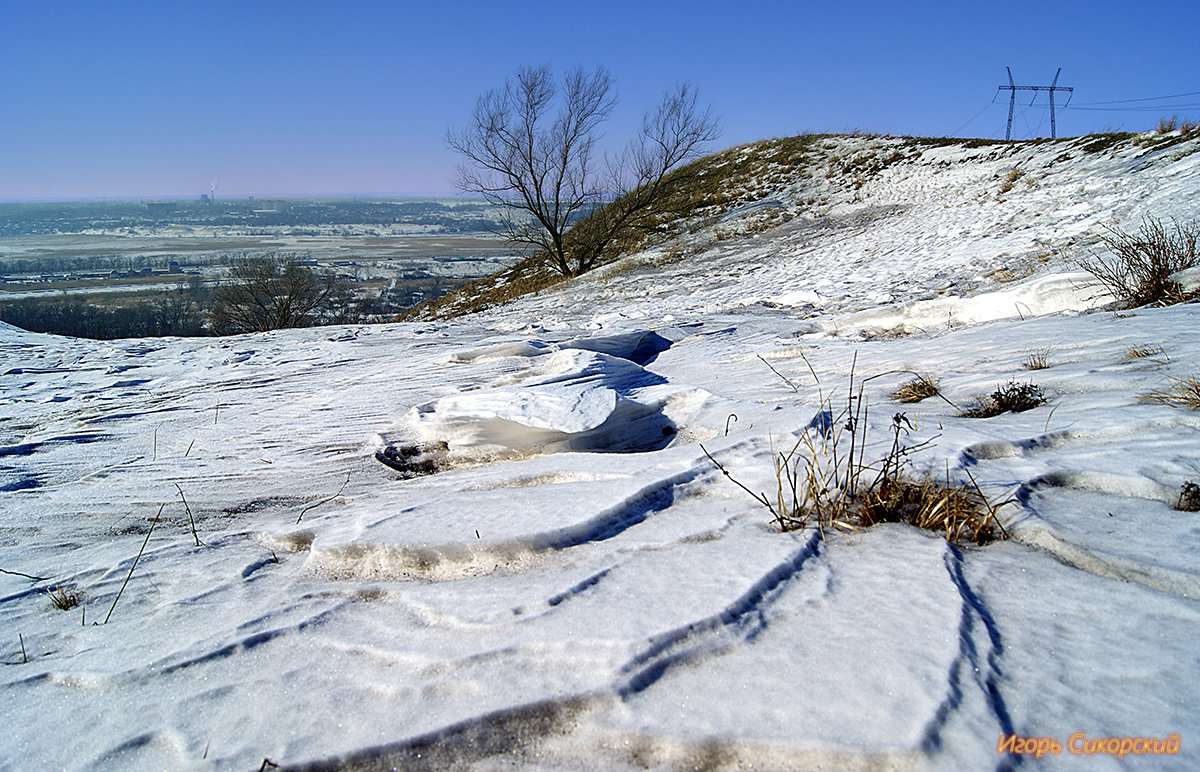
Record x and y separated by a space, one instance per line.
1012 89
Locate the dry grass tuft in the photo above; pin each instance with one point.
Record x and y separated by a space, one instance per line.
1011 398
1098 143
65 597
1167 124
822 484
823 481
959 512
1038 360
1143 351
915 390
1183 393
1013 175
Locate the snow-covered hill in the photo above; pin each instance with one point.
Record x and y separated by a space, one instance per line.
578 586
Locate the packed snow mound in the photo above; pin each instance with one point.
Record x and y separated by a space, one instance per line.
570 396
1049 294
638 346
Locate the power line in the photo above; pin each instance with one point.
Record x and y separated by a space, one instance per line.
973 117
1154 109
1140 99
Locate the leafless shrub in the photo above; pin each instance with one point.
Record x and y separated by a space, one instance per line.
1011 398
268 293
1139 267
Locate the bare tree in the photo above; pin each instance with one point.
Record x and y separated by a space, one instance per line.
531 147
267 293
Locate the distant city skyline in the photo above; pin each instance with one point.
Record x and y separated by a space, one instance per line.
142 100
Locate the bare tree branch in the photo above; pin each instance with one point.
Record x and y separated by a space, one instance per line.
543 169
269 293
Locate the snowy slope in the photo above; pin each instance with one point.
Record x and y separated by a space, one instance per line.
578 587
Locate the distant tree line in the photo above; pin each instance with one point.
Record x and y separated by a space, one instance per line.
260 293
173 312
33 266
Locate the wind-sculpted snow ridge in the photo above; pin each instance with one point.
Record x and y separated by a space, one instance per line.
1137 503
584 394
375 553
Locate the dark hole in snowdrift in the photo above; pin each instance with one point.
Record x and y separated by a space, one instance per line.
414 460
648 349
641 348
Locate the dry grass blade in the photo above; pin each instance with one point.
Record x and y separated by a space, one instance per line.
759 497
324 501
27 576
781 375
132 566
1183 393
191 519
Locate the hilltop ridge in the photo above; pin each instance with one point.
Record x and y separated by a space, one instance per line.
987 212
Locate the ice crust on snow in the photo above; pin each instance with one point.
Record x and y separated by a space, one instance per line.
579 587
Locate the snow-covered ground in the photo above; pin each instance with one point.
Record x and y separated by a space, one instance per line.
578 587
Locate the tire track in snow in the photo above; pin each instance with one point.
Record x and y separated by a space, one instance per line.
1035 530
1040 534
743 619
977 664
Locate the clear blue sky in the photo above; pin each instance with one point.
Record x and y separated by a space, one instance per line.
158 99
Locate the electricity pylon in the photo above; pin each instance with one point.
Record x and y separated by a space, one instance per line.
1012 88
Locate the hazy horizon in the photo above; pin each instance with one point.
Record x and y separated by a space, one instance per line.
169 101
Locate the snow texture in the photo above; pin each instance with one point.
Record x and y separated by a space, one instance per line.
552 575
